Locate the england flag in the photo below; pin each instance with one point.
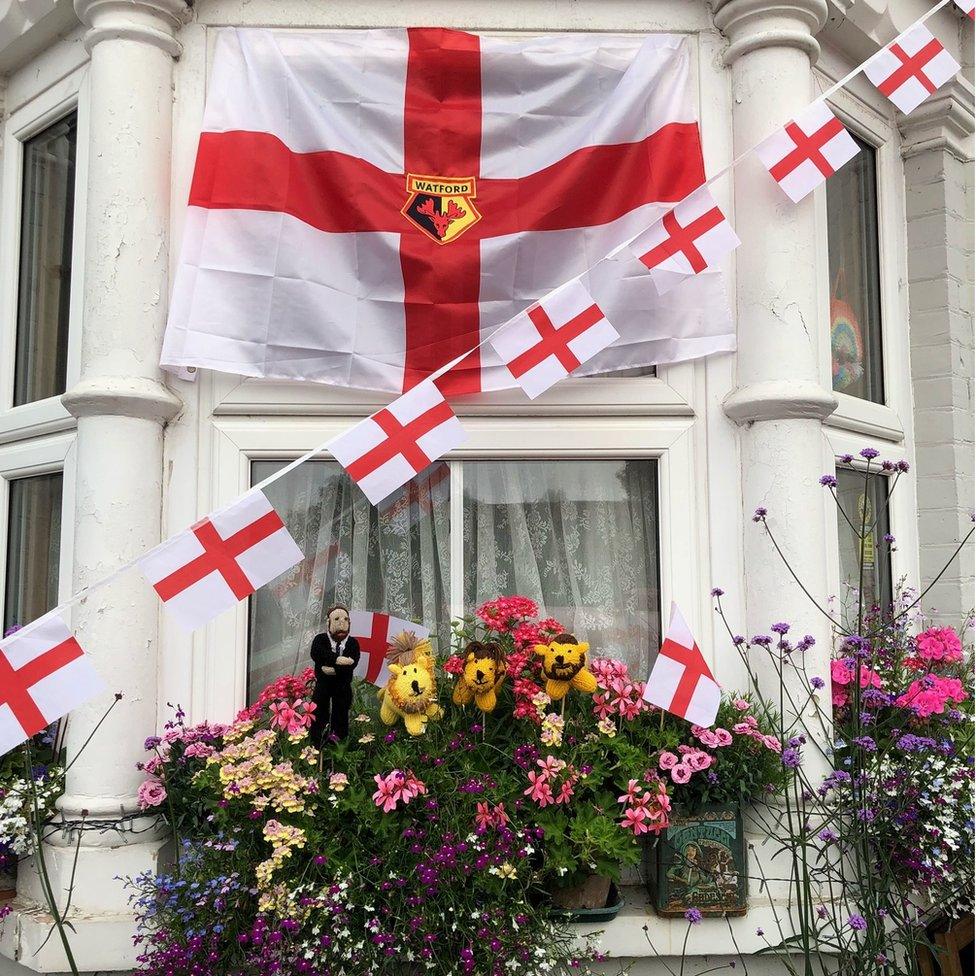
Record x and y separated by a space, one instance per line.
369 205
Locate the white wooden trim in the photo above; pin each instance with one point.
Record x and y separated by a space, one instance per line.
25 459
51 104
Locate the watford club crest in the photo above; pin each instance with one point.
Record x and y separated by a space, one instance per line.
442 207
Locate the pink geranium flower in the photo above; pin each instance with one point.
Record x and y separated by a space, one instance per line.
930 695
539 789
635 819
939 644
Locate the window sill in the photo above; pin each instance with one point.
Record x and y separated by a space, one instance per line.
34 420
864 417
625 938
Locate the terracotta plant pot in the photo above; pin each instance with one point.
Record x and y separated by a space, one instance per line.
8 886
590 893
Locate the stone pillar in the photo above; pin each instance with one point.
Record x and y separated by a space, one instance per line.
122 406
779 401
938 150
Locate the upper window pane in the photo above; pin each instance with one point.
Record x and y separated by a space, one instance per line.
33 548
865 505
45 263
578 537
393 558
855 281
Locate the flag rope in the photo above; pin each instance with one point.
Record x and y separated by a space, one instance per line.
321 448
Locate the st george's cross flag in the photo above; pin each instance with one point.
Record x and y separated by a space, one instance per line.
221 560
384 451
553 338
968 7
807 150
368 205
374 631
44 674
911 67
680 681
692 238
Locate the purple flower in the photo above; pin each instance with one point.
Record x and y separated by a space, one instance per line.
866 743
902 466
827 835
693 916
888 537
780 629
821 912
12 629
717 592
868 453
791 758
762 640
738 640
857 922
817 682
152 742
760 514
828 481
806 642
760 933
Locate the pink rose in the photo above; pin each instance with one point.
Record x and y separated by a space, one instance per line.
741 705
681 773
772 743
667 760
151 794
723 737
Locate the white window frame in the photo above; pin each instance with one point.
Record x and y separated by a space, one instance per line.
30 118
890 421
887 427
214 684
23 459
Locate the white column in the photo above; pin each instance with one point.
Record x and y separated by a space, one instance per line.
779 401
122 406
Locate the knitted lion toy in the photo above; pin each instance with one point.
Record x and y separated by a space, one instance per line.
411 692
564 665
483 675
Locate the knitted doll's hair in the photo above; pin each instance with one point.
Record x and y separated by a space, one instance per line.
336 606
564 638
489 651
403 647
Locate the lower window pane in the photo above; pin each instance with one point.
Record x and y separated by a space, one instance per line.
579 537
868 504
33 548
394 558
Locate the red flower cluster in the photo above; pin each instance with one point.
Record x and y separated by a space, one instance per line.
505 613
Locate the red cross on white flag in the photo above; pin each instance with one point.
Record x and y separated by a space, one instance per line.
374 631
44 674
911 68
680 681
687 240
387 449
221 560
968 7
807 150
550 340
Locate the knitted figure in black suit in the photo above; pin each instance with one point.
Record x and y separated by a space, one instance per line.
335 655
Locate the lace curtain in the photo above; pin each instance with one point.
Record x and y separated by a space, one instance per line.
393 558
579 537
